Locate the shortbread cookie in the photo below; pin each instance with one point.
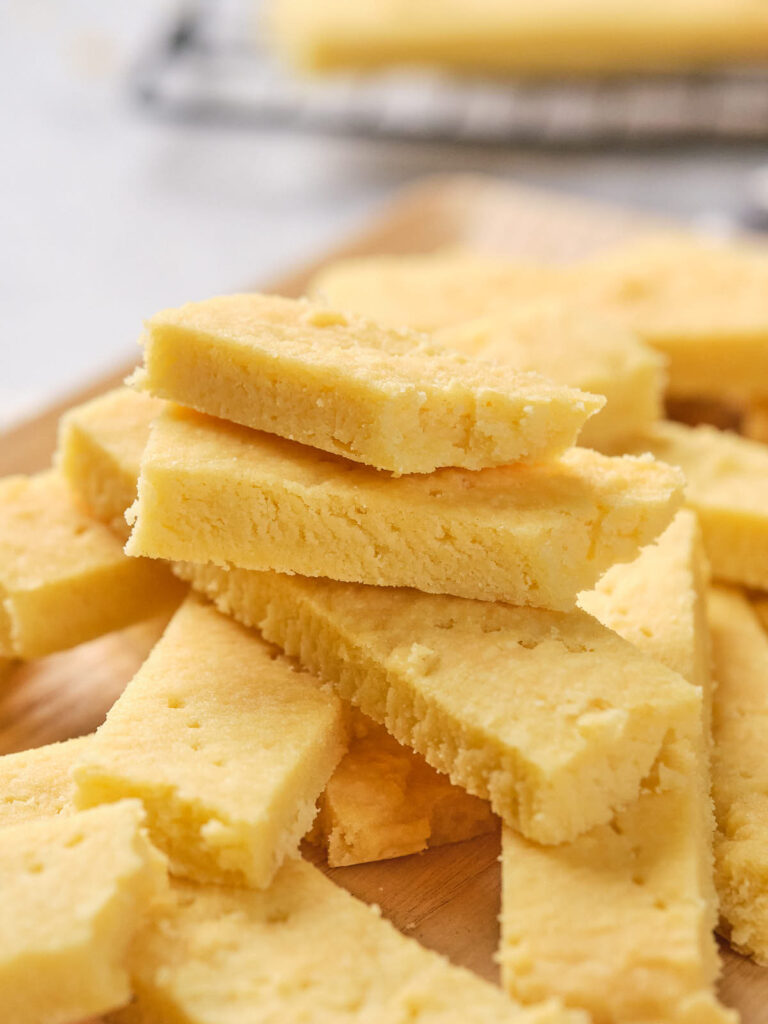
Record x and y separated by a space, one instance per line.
382 800
225 742
63 577
547 38
387 398
620 922
517 705
37 783
533 534
385 801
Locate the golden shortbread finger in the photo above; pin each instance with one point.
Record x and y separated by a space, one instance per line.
99 452
427 292
658 601
533 534
382 800
517 705
227 745
385 801
701 304
303 950
387 398
37 783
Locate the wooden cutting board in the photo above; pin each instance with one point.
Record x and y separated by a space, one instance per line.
447 898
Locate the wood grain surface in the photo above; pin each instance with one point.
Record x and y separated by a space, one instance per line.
447 898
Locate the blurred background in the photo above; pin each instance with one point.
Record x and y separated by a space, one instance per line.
157 153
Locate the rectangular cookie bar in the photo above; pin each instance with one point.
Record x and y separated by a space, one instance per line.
548 38
529 534
385 801
384 397
517 705
701 304
620 922
99 452
227 745
37 783
427 292
658 602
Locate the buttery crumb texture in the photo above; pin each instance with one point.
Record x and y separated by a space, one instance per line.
303 950
533 534
37 783
63 577
727 487
621 921
517 705
581 349
75 891
99 452
225 743
388 398
740 770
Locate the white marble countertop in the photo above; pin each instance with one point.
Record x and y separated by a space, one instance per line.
108 215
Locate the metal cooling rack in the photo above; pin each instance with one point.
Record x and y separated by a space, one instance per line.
209 64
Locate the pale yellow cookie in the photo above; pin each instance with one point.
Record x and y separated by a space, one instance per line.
387 398
227 745
620 922
303 950
63 577
533 534
76 888
517 705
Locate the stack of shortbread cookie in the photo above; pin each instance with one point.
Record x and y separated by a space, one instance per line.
436 580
